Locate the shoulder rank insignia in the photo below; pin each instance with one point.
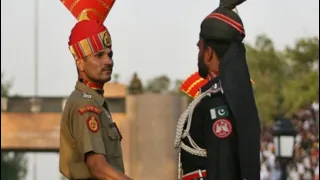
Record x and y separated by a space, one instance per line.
215 88
89 108
86 96
192 85
93 124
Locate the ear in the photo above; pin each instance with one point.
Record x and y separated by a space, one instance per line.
208 53
80 64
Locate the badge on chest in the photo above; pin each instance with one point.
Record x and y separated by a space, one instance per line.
222 128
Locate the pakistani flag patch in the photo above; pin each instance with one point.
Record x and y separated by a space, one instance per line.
219 112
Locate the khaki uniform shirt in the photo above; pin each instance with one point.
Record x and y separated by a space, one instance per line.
87 126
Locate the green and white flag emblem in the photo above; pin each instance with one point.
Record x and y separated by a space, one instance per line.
219 112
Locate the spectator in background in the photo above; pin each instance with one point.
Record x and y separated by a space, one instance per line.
300 168
315 106
264 172
316 172
275 172
293 173
308 175
305 165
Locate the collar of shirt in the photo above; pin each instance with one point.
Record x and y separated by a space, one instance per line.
210 83
95 95
212 75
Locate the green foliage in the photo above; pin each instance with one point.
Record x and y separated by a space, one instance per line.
267 70
135 86
159 84
176 87
300 91
116 77
303 83
5 86
284 81
13 164
304 54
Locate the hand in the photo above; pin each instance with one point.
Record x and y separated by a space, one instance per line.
127 178
123 177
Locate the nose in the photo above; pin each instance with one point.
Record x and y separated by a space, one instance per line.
107 60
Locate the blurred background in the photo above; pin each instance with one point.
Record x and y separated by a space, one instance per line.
154 44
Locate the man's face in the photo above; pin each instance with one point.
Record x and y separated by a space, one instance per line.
97 67
202 67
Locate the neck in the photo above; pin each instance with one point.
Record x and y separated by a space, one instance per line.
97 87
212 75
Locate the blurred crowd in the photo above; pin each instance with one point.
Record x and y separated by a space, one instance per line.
305 164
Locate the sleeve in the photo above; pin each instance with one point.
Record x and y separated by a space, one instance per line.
220 141
86 127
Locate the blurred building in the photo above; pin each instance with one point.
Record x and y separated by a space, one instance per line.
147 123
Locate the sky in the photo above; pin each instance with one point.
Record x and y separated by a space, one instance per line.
149 37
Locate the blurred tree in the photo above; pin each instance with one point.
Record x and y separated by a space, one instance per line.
13 164
284 81
304 55
176 90
5 86
135 86
302 87
116 77
159 84
269 70
176 87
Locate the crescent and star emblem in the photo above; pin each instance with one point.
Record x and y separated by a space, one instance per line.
221 112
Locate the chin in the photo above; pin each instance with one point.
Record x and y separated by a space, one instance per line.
106 79
103 80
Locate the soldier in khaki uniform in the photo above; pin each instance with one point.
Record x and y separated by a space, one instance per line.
89 140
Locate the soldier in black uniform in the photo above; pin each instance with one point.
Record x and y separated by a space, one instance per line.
219 133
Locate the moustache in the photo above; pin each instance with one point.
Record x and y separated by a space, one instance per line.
107 68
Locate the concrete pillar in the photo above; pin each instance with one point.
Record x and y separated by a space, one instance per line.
153 120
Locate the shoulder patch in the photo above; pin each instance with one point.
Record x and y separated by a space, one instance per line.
222 128
89 108
93 124
219 112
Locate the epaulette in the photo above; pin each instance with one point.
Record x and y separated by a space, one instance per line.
191 86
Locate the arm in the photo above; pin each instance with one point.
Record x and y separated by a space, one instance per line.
221 145
87 131
101 169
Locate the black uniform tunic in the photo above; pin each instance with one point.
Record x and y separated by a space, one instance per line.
222 156
226 124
